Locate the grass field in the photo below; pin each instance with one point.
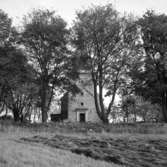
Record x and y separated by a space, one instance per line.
87 145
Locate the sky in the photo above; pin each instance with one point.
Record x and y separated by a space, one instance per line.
67 8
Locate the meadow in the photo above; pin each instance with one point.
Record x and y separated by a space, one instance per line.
87 145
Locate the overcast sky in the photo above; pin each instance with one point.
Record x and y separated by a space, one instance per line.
66 8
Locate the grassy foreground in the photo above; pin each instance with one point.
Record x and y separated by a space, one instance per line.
87 145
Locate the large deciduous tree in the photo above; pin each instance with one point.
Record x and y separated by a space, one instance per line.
107 41
14 72
45 38
151 82
17 87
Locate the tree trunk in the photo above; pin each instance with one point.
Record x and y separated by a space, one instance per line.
103 111
100 113
127 115
44 107
16 114
135 114
164 107
44 115
144 118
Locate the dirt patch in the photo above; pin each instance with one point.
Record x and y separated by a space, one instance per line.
123 151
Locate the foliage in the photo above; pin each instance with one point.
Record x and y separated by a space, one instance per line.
45 38
129 108
148 112
15 73
17 91
124 56
107 42
5 27
151 81
136 109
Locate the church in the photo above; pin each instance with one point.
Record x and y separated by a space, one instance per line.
79 107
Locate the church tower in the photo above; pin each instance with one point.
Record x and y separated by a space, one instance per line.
81 107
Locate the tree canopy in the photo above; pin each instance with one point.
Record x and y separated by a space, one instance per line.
45 38
125 56
107 41
151 81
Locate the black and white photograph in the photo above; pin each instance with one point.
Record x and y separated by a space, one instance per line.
83 83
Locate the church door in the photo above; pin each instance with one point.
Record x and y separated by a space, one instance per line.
82 117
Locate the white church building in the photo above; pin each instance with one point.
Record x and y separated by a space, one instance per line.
79 107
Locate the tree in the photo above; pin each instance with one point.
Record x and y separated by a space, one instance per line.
148 112
45 38
107 41
5 27
14 70
17 91
136 108
151 82
129 108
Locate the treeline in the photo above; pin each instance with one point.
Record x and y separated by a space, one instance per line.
125 55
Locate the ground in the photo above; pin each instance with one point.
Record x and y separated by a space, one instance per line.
87 145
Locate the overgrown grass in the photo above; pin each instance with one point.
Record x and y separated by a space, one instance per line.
141 128
23 145
17 153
